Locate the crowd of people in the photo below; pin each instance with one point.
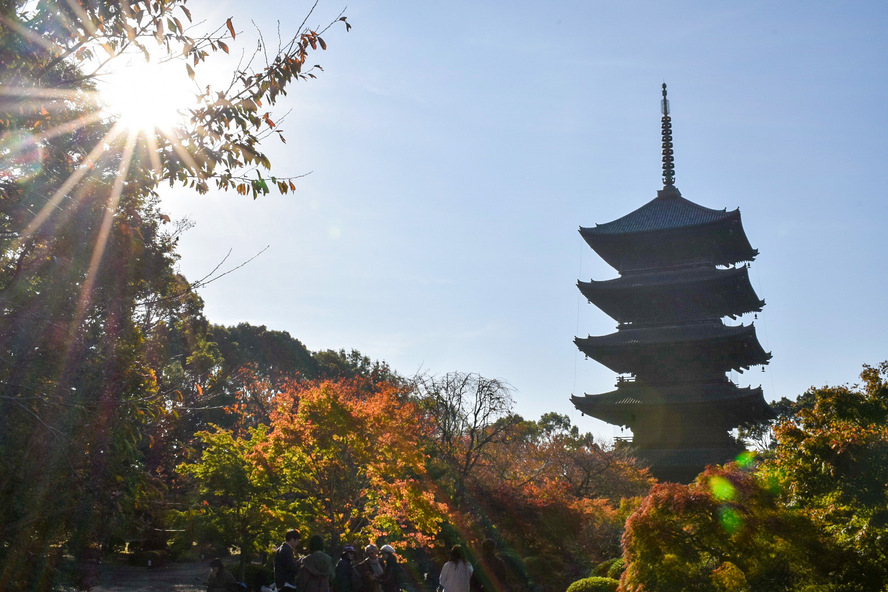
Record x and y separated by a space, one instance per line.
379 570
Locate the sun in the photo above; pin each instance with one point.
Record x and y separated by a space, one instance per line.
147 96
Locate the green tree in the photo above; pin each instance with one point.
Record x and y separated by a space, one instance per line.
831 463
88 291
236 502
332 365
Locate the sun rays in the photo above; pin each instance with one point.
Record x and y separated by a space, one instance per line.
99 165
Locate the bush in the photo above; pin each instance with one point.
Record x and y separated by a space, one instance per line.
540 570
616 570
594 584
256 576
601 570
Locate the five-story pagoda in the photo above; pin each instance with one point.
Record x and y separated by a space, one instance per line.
683 268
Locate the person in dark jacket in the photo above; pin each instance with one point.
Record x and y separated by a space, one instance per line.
316 573
346 576
221 580
286 566
370 570
391 570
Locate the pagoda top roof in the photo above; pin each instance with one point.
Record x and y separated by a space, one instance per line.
668 211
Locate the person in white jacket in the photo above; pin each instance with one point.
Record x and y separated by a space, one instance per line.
456 574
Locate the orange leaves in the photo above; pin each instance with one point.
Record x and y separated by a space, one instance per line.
355 446
230 26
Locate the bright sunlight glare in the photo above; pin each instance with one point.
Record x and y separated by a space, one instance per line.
147 96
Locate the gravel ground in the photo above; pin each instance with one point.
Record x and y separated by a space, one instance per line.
174 577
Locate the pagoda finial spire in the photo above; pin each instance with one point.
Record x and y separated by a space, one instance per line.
666 132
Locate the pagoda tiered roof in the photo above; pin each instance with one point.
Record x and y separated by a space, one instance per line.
679 278
693 292
670 230
646 349
623 405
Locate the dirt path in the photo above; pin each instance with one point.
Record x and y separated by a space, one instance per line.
174 577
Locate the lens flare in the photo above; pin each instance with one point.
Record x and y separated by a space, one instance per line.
730 520
746 459
21 156
722 489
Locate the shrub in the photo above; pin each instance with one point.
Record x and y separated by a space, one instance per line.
256 576
594 584
601 570
616 570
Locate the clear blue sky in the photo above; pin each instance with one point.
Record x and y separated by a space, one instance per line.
456 147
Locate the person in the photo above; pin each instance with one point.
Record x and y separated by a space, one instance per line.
370 570
221 580
391 571
347 579
491 573
316 572
456 575
286 567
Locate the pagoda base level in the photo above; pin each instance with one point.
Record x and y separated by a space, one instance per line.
682 465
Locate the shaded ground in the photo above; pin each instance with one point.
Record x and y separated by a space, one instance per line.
173 577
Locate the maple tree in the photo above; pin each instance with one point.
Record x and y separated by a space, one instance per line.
352 450
573 493
725 531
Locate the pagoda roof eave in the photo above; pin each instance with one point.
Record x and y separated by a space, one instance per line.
700 292
621 351
621 406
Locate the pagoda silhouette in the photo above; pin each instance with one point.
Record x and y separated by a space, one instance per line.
683 269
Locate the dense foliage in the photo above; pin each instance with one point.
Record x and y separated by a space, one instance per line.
594 584
810 515
831 464
103 345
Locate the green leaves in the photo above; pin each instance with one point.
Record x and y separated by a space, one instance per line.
831 462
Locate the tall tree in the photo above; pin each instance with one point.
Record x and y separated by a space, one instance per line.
236 503
87 259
